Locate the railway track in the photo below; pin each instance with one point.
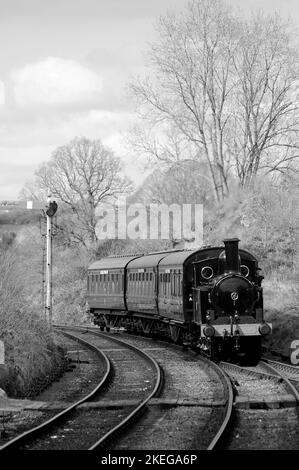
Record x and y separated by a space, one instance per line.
220 435
113 433
195 391
259 379
104 421
287 370
289 374
39 430
55 432
265 407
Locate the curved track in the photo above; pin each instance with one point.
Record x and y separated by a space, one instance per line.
38 437
114 431
37 431
291 372
216 442
280 374
99 428
284 371
266 408
226 413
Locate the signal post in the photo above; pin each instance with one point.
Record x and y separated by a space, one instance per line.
50 212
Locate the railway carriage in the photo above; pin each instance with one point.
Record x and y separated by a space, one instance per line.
210 298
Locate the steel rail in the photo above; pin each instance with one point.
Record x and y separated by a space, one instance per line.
229 406
291 371
249 371
34 432
288 384
142 406
223 377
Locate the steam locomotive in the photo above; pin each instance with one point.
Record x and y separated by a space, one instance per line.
209 299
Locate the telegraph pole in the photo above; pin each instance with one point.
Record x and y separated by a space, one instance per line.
50 212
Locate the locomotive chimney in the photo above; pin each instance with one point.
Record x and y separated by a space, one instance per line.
232 254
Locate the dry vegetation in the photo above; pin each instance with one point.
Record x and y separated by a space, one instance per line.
29 347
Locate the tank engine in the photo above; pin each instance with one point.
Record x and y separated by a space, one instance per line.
210 298
231 306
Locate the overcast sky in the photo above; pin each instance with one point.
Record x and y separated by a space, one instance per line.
63 71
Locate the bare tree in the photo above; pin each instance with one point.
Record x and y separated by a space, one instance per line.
82 174
267 120
223 93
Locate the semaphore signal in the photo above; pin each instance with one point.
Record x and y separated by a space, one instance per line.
51 209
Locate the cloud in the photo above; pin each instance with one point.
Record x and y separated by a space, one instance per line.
25 145
57 129
55 82
2 93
